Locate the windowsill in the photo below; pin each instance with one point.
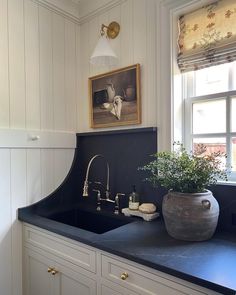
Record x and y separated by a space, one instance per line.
230 182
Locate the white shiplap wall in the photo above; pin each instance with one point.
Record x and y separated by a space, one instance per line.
38 90
136 43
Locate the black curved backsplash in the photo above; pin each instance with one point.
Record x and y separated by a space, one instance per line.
125 151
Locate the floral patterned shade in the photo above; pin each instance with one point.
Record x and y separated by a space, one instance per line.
207 36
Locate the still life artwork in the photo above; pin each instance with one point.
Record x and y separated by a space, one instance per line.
115 98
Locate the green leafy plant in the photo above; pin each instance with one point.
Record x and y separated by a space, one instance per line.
186 172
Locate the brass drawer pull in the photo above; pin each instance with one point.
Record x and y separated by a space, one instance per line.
124 276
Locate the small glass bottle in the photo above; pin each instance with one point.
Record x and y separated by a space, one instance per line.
134 200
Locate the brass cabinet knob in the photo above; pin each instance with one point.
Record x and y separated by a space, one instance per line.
54 272
124 276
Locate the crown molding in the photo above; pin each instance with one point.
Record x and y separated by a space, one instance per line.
66 8
90 8
79 11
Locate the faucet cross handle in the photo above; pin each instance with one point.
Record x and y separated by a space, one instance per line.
117 202
98 199
107 192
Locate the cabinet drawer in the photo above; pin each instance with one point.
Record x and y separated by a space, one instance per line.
140 281
109 288
68 250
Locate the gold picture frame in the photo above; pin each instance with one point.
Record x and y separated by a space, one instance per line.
115 98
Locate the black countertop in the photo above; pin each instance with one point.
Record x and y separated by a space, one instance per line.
210 264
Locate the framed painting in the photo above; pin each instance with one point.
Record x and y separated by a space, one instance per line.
115 98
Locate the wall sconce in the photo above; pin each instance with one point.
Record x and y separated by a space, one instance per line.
103 54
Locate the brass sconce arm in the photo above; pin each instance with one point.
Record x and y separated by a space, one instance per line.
113 30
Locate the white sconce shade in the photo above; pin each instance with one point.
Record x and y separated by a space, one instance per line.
103 54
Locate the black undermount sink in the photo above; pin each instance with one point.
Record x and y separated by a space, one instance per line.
94 221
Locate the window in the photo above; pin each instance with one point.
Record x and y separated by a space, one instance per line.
210 111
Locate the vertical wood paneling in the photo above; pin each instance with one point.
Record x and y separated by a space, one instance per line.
4 85
102 19
16 63
5 223
115 15
151 77
18 199
59 72
38 75
78 75
70 153
33 175
47 171
83 109
46 68
70 75
60 165
94 34
126 36
32 65
140 50
136 43
140 31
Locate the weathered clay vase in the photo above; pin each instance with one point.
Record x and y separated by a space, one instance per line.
190 217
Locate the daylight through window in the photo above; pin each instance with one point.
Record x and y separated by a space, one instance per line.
210 111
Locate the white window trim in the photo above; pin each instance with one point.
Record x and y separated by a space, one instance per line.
168 12
188 135
170 108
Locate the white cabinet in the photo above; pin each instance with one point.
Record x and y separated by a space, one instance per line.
45 276
55 265
108 288
144 282
37 279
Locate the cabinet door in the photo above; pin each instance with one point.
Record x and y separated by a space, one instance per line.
70 282
37 280
61 280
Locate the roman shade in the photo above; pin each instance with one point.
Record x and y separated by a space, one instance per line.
207 36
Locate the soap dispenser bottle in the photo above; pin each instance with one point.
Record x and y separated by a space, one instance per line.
134 200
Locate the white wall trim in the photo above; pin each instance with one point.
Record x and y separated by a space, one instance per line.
88 13
78 12
16 138
70 11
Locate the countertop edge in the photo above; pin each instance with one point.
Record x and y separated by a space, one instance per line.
52 226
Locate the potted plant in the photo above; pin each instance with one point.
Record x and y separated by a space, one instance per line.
190 211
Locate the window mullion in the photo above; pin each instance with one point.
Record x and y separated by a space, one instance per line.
214 96
228 136
231 77
188 125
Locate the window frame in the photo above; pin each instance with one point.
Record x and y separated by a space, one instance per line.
189 99
170 111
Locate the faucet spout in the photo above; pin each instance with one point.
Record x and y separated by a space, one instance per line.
86 182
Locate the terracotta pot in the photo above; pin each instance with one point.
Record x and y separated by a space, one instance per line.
190 217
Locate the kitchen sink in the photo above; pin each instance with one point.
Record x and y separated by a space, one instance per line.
94 221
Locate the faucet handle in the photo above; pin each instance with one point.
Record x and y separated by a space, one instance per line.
117 202
98 199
